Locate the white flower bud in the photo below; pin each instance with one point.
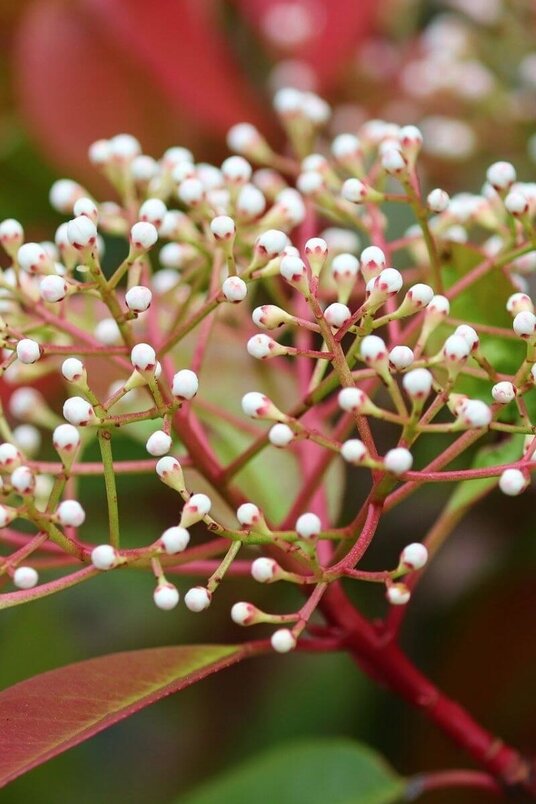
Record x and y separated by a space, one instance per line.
100 152
355 191
143 357
143 235
23 480
107 331
398 594
250 202
373 350
388 282
501 175
104 557
168 466
337 314
354 451
393 162
503 392
398 460
138 298
292 268
372 260
175 155
78 411
414 556
81 232
191 192
420 295
525 324
70 513
308 526
438 200
73 369
28 351
456 349
475 413
513 482
197 598
344 267
27 438
236 170
25 402
66 438
310 183
10 456
346 149
63 194
283 640
418 383
269 316
264 570
11 235
271 243
124 148
516 204
439 306
353 400
469 334
7 515
166 596
248 514
33 258
259 406
243 138
518 303
53 288
223 227
158 443
144 168
401 357
243 613
280 435
197 507
185 384
234 289
316 246
175 540
153 211
86 206
25 577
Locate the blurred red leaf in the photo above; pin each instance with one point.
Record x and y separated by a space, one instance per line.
52 712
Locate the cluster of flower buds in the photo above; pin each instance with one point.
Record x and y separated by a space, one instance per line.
370 324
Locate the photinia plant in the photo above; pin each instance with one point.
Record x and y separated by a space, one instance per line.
365 355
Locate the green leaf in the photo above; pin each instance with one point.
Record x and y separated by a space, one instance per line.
470 491
319 772
52 712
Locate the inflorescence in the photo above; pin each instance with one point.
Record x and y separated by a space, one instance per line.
372 343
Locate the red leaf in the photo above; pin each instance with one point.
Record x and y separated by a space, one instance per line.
52 712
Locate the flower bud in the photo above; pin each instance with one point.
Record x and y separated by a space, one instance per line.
259 406
308 526
501 175
153 211
474 413
124 148
438 200
104 557
169 471
311 183
525 324
78 411
374 351
138 298
417 297
398 594
398 460
248 514
53 288
354 400
11 236
28 351
66 438
355 191
73 370
143 235
70 513
185 384
246 139
63 195
337 315
344 268
346 149
236 170
33 259
503 392
516 204
513 482
81 233
107 331
7 515
158 443
100 152
393 162
418 383
372 262
234 289
25 577
456 349
414 556
250 202
175 540
191 192
27 438
195 510
166 596
23 480
223 227
386 284
143 169
280 435
468 334
270 244
354 451
518 303
265 570
143 357
197 599
270 317
87 207
244 613
292 268
283 640
401 357
10 456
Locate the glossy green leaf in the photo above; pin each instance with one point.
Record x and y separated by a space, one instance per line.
52 712
319 772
